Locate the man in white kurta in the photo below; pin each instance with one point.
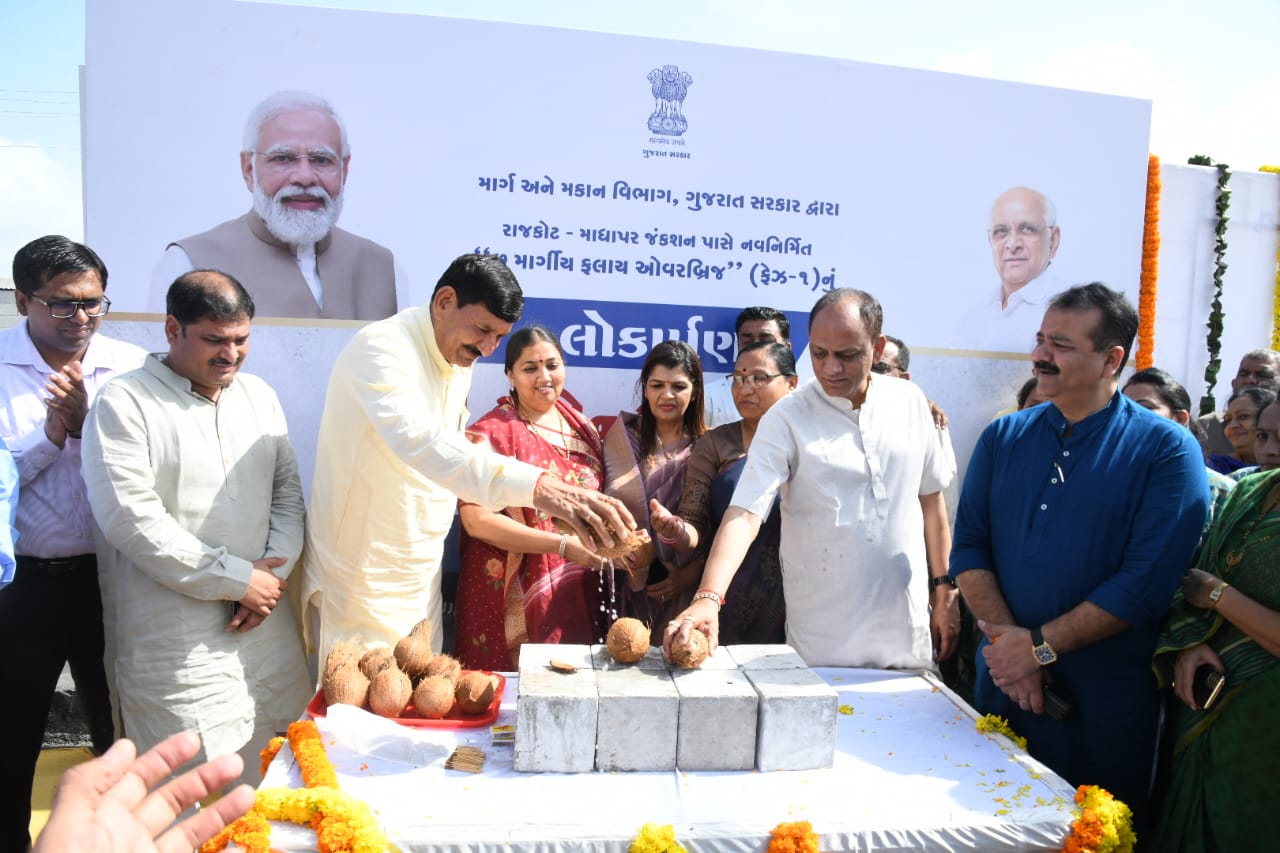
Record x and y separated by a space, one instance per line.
853 551
861 468
392 461
188 493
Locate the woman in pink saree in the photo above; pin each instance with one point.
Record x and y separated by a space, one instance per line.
522 580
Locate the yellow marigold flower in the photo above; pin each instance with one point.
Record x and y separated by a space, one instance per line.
656 839
990 723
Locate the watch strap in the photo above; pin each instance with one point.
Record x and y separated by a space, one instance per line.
941 580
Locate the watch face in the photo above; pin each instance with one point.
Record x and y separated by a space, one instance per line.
1044 654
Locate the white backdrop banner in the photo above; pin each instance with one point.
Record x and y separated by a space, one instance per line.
640 189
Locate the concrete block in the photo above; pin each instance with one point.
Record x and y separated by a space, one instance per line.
718 710
639 715
536 657
556 716
652 660
720 659
765 656
796 729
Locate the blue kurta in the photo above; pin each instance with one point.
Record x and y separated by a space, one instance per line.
1109 511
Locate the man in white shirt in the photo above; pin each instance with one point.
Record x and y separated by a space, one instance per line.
865 539
52 366
1024 237
195 489
392 461
754 324
288 250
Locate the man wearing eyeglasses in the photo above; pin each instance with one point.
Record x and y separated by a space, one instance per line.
287 250
1023 237
52 366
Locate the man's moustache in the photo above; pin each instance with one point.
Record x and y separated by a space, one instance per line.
1045 367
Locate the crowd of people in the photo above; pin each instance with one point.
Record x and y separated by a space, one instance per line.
1108 558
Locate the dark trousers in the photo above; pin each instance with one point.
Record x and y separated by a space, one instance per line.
50 615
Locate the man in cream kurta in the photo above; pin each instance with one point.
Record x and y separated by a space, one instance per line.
192 496
392 461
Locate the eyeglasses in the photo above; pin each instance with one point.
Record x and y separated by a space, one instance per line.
755 380
881 367
65 309
280 162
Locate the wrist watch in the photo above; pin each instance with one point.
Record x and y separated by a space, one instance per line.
1216 593
1044 652
941 580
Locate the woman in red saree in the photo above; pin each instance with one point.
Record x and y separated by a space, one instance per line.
522 580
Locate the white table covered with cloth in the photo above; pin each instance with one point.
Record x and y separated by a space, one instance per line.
911 772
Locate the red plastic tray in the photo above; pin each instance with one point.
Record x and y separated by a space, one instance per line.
455 719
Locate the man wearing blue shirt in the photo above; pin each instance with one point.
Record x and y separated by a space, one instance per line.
1076 522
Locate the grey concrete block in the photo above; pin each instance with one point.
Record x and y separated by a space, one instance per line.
652 660
556 716
718 710
720 659
639 715
749 657
536 657
796 729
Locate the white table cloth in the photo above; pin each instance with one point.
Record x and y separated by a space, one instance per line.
911 773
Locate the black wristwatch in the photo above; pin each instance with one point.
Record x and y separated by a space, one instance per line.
941 580
1044 652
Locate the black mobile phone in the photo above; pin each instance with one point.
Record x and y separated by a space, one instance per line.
1207 685
1056 703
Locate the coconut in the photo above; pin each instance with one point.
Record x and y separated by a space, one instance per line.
375 661
634 545
413 654
346 685
446 666
389 692
628 640
433 697
422 630
690 653
341 654
475 692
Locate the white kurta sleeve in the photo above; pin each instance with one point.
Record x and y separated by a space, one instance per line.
386 382
131 514
287 530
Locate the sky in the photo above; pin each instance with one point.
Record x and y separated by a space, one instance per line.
1211 77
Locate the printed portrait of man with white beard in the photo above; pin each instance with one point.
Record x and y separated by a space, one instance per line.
288 251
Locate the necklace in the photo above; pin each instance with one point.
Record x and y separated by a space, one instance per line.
561 437
1236 555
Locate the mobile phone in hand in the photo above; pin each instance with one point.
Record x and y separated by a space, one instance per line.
1207 685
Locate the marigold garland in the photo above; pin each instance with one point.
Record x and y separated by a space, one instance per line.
1275 299
313 761
1103 824
1208 404
342 823
795 837
656 839
269 753
1150 267
999 725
